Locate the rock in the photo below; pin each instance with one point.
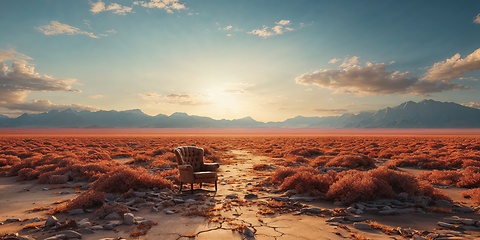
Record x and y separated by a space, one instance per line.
56 237
406 231
169 212
128 218
51 221
248 232
448 225
115 223
251 196
416 237
335 219
467 221
85 231
232 196
45 189
462 209
154 209
355 218
351 209
76 211
314 210
387 208
443 203
139 200
85 220
96 227
147 222
11 220
361 226
360 206
32 220
190 201
358 211
337 203
478 224
140 194
71 234
113 216
107 226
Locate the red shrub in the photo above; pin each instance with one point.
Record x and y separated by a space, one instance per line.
88 199
473 194
310 182
279 175
352 161
58 179
123 178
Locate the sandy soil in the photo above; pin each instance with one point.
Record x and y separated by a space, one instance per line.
236 215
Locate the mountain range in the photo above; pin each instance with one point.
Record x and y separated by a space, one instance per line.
424 114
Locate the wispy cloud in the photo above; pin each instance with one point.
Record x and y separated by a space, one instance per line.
454 67
333 111
17 82
280 28
57 28
115 8
371 79
472 104
476 19
174 98
168 5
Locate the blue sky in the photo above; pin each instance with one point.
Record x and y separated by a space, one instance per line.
270 60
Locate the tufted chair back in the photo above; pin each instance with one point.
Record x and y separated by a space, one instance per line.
190 155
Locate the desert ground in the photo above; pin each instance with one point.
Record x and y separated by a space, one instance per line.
272 185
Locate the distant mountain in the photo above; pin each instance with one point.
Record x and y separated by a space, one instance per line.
424 114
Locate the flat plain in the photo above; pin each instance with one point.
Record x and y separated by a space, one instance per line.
273 184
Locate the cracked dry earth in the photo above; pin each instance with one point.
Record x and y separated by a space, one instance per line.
239 211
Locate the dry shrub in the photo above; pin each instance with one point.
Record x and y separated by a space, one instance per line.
124 178
353 186
261 167
470 178
473 194
87 199
279 175
446 177
352 161
58 179
308 181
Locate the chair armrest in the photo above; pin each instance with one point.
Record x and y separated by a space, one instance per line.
185 167
186 173
210 167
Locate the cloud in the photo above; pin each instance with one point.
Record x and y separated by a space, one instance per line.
280 28
96 96
168 5
476 19
16 82
371 79
173 98
57 28
330 111
472 104
239 88
115 8
454 67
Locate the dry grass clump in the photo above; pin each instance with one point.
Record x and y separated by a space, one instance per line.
88 199
353 186
352 161
125 178
308 181
468 177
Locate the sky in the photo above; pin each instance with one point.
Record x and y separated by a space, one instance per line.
267 59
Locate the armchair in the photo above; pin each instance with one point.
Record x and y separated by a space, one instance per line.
193 169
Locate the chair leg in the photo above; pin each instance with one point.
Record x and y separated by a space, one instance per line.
181 185
200 185
191 187
215 186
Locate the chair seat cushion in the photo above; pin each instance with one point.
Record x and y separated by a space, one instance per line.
199 175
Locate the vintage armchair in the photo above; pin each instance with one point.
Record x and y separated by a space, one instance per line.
193 169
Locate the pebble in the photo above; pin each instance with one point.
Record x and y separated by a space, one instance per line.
51 221
85 231
128 218
355 218
169 212
96 227
232 196
248 232
335 219
11 220
112 216
251 196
